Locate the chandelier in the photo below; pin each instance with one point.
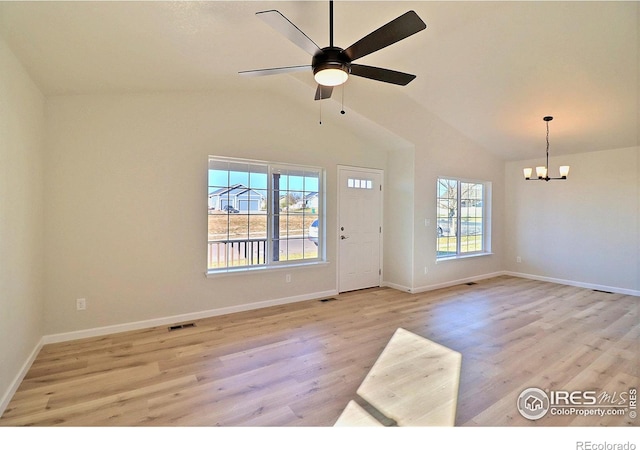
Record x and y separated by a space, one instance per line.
542 172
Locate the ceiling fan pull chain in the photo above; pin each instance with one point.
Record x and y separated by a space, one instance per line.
320 103
342 110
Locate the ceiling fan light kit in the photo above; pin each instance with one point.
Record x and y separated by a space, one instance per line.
542 172
332 66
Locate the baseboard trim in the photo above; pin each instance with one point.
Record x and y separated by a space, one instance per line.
433 287
15 384
161 321
580 284
447 284
131 326
397 287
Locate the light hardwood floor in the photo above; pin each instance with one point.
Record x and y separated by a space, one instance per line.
300 364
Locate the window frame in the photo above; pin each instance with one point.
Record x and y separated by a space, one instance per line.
486 218
269 262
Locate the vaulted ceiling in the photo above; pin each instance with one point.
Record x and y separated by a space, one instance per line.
491 70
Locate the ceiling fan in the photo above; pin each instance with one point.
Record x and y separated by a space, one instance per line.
332 65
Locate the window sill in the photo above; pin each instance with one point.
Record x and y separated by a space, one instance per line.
258 269
457 257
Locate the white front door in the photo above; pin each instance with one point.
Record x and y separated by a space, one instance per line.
359 228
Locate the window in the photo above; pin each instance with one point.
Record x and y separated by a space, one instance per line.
262 214
462 222
356 183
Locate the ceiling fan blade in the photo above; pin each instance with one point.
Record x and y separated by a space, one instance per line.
274 71
323 92
284 26
399 28
385 75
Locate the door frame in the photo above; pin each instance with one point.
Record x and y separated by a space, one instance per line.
379 172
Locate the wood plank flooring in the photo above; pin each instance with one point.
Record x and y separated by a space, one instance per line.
300 364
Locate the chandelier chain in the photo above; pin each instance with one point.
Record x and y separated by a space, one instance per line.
547 145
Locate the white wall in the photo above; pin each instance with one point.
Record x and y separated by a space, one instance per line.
585 230
126 210
438 150
21 220
398 222
443 152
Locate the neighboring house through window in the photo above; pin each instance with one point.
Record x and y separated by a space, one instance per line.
462 218
236 198
263 214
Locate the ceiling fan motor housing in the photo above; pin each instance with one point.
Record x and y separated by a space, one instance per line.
331 58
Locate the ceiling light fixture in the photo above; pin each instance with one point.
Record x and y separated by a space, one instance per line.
542 172
331 77
330 67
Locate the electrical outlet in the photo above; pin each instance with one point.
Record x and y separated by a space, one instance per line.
518 259
81 304
287 278
426 270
